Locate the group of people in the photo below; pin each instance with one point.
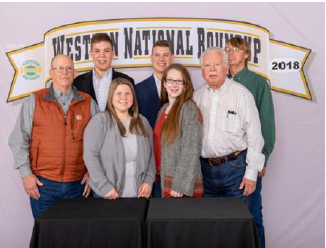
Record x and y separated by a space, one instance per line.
158 138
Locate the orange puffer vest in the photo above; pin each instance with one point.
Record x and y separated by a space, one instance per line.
56 150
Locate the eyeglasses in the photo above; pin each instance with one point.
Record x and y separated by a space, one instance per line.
233 49
62 69
172 81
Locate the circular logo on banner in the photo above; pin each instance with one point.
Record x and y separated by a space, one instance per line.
31 70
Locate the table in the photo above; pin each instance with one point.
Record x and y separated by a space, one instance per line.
92 223
205 222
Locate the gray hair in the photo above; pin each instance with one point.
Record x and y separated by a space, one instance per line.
222 52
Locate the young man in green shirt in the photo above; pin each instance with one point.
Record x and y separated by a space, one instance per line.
239 53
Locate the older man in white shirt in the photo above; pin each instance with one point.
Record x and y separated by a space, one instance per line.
232 145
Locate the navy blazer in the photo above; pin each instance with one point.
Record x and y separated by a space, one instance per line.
148 99
84 82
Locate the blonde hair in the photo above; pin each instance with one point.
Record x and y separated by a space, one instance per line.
242 44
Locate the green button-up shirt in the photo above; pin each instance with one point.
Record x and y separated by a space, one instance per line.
260 89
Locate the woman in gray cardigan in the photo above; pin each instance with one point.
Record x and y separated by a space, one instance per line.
118 147
178 137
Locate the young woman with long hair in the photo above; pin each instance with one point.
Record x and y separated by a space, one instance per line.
178 137
118 149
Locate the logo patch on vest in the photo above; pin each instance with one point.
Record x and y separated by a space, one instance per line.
78 117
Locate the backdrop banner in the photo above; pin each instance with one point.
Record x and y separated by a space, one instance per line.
279 62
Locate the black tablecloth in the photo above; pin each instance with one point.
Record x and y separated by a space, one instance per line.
205 222
92 223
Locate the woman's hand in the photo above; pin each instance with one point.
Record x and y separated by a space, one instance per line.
175 194
112 195
87 189
145 190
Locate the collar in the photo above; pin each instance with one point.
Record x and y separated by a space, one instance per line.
51 95
58 93
241 74
221 89
106 74
157 80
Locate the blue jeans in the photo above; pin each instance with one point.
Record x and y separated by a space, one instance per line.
256 210
96 195
52 191
157 189
224 179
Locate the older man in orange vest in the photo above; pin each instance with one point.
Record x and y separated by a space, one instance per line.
47 140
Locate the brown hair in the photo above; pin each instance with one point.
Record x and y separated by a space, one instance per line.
99 37
163 43
136 125
171 123
242 44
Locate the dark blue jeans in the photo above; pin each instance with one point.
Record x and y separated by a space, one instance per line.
224 179
96 195
157 189
52 191
256 210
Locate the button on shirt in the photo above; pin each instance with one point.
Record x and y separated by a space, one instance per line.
101 88
231 123
64 99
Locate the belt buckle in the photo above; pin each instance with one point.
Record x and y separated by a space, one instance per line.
216 162
237 153
210 163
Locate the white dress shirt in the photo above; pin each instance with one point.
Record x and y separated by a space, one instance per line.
231 123
101 88
158 85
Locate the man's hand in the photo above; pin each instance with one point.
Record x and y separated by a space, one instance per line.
30 184
112 195
87 189
175 194
263 172
145 190
248 185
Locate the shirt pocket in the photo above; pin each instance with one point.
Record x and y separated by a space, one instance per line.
231 123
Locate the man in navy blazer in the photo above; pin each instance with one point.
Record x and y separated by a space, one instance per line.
96 82
149 91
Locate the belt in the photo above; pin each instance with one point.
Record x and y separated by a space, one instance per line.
221 160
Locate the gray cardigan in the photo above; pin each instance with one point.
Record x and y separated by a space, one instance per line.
181 159
104 155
